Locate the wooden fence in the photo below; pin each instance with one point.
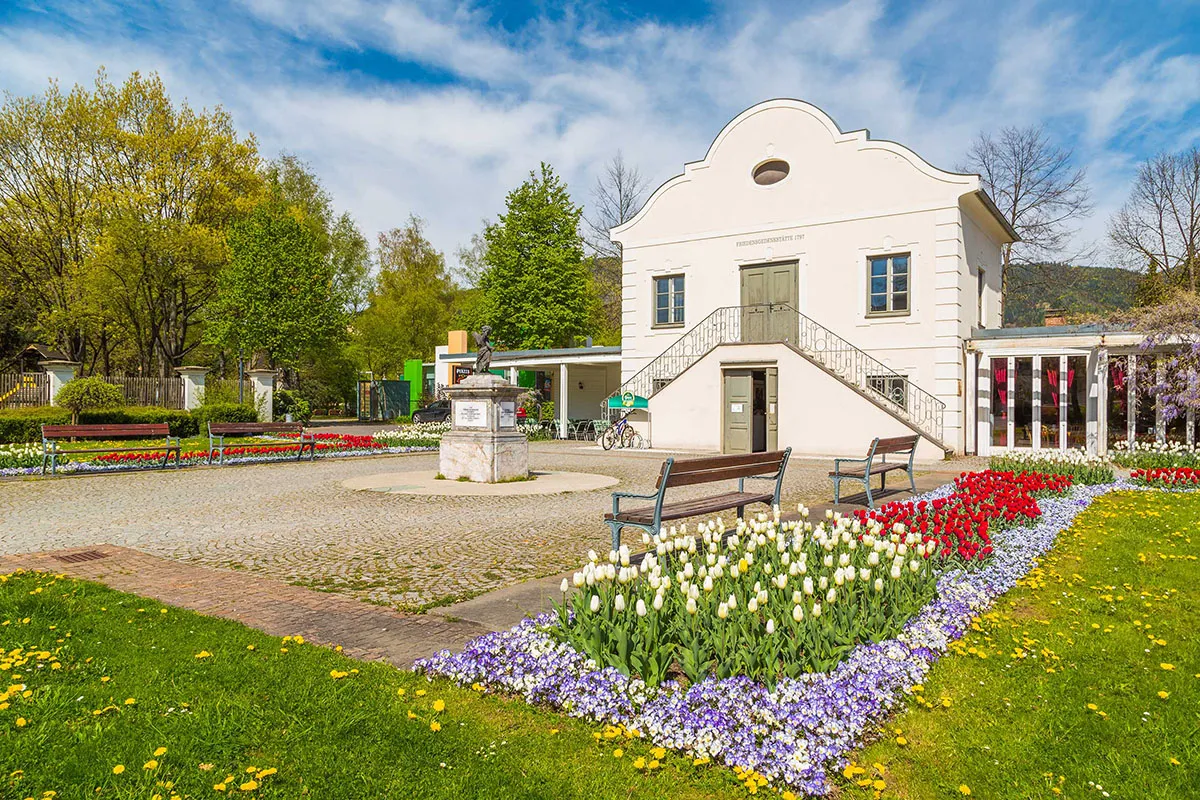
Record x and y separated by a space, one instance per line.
24 389
150 391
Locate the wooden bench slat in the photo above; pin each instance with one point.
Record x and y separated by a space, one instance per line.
896 444
255 427
876 469
692 508
104 431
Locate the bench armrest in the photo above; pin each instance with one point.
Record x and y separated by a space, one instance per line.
837 462
628 496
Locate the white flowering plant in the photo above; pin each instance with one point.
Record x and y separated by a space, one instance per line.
769 599
415 434
1155 455
1081 466
22 456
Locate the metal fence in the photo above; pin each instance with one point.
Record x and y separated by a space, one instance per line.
24 389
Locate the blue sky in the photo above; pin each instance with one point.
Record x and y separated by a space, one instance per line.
439 108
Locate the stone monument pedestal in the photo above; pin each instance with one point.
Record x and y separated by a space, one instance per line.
483 444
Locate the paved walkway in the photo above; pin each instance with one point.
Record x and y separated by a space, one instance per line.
296 523
364 630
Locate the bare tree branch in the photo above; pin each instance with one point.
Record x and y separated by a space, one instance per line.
1038 190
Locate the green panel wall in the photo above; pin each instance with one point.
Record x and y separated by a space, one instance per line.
412 374
526 379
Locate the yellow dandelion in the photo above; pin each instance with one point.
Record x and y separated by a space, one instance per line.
1167 667
129 701
400 692
439 706
435 726
21 722
411 715
900 740
118 769
1174 762
266 773
639 763
249 786
219 787
553 731
1092 706
250 647
151 764
421 692
1164 695
618 753
159 752
963 789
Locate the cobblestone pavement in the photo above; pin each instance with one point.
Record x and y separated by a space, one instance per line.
294 522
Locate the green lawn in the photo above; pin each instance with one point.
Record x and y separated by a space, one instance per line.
1091 676
136 676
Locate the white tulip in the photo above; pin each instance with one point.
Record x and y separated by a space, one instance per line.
831 596
770 627
619 603
658 602
691 606
879 584
579 579
823 584
708 584
797 613
592 555
723 611
895 572
816 612
808 586
828 561
595 603
612 556
752 606
873 558
914 565
564 586
796 595
732 601
641 607
864 574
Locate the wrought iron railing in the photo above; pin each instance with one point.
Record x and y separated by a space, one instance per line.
773 323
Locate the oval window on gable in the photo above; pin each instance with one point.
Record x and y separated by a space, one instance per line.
770 172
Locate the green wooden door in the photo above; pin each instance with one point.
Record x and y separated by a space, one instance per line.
737 411
770 298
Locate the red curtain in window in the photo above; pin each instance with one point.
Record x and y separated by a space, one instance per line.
1052 379
1000 381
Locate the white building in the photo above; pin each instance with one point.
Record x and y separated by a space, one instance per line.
808 287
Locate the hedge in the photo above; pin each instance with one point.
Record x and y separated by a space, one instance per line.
25 424
223 412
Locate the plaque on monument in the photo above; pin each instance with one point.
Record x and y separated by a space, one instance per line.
508 415
470 414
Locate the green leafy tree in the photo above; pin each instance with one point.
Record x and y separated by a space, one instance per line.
277 292
536 288
409 307
82 394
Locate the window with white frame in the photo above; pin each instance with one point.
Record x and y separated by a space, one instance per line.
668 301
887 284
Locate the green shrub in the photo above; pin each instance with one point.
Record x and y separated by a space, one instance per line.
182 423
82 394
223 412
25 424
289 402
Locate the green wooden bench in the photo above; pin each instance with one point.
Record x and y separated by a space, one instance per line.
53 434
881 448
693 471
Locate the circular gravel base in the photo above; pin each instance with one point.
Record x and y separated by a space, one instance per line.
426 483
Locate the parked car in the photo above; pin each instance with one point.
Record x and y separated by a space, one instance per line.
437 411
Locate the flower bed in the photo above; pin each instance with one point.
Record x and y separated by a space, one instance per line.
1080 465
1166 478
28 461
796 732
1152 455
416 434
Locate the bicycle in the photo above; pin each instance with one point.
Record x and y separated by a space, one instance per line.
621 434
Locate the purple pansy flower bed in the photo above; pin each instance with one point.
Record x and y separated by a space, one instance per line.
795 734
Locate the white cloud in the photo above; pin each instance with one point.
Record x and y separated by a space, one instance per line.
573 90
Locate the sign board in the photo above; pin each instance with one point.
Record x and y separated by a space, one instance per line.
628 400
470 414
508 414
461 373
737 408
